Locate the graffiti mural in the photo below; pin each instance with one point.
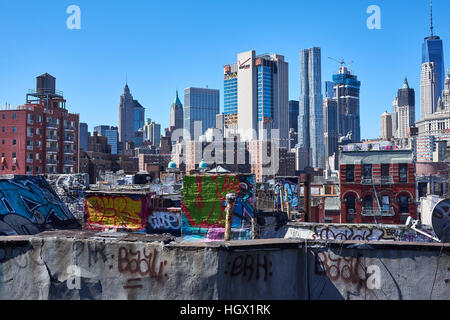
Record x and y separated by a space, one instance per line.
28 205
291 185
164 221
124 211
204 201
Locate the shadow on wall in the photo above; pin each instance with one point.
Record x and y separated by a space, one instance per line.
28 205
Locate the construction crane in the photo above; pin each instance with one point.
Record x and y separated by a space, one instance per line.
342 62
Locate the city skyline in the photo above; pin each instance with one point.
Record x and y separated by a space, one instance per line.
157 98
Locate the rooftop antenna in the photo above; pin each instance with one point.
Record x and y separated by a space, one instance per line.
342 62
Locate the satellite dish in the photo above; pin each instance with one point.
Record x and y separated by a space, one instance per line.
440 220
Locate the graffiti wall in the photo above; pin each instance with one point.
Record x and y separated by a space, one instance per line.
291 185
71 188
164 221
28 205
124 211
204 201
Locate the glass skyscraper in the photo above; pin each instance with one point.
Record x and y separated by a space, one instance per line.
111 134
310 120
433 51
200 105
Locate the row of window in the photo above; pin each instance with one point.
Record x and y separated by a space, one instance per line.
368 171
14 116
369 204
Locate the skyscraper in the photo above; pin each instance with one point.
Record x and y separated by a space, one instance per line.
256 95
200 110
310 125
330 127
428 90
386 126
176 114
131 117
293 122
433 51
346 88
152 132
111 134
84 136
406 106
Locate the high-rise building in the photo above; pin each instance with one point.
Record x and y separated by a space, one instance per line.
40 136
406 110
433 51
386 126
294 109
84 136
152 132
346 88
200 110
111 134
428 90
131 118
256 95
331 127
176 114
310 124
329 89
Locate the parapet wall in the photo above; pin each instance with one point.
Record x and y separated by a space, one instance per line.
88 265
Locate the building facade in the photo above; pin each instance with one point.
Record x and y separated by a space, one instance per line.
386 126
429 95
84 136
377 186
176 114
294 109
40 136
111 134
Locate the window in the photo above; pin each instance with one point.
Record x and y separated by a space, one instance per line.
13 168
367 171
3 154
386 204
350 173
14 115
368 203
3 116
14 142
14 155
351 204
14 129
403 173
404 204
3 129
3 141
384 170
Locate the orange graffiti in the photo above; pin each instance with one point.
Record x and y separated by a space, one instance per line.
115 212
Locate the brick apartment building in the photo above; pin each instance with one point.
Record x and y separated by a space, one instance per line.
377 186
40 136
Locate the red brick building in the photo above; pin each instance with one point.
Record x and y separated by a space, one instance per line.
377 186
41 136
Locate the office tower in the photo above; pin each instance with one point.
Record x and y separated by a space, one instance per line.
200 110
256 95
84 136
152 132
428 90
329 89
293 123
394 117
41 136
346 88
131 117
111 134
386 126
176 114
311 126
433 51
446 94
405 113
331 127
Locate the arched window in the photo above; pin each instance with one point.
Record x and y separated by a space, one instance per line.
404 208
351 204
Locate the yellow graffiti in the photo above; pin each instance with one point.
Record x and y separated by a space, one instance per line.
115 212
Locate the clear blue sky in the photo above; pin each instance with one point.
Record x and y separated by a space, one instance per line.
165 45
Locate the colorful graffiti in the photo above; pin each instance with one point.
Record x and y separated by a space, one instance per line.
163 221
28 205
204 201
291 185
116 212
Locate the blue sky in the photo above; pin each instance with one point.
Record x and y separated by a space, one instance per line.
164 45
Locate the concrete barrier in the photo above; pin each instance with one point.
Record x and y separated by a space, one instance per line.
89 265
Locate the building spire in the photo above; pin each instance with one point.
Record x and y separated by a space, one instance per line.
431 17
405 84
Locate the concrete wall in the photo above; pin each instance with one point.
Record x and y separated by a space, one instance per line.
83 265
